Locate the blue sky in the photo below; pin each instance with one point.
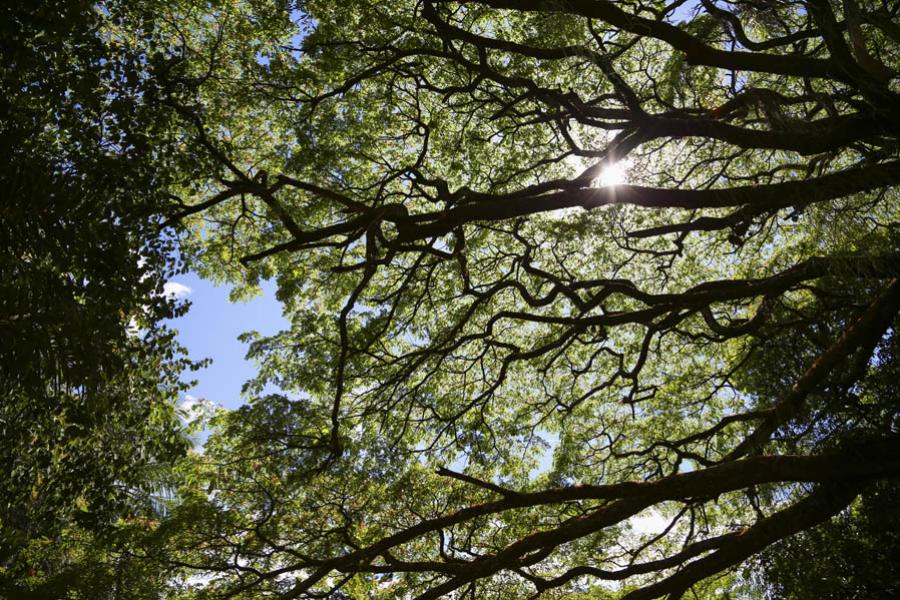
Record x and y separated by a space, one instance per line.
210 330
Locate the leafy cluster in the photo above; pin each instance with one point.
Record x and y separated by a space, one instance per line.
90 374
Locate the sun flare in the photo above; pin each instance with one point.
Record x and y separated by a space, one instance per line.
614 174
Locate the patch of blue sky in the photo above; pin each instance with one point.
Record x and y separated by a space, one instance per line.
210 329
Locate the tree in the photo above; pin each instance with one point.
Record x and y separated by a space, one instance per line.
89 373
471 297
696 343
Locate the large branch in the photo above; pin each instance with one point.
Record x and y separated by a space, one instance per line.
816 137
822 135
872 324
768 197
860 463
819 506
519 553
696 51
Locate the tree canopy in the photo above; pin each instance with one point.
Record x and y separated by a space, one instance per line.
89 372
552 269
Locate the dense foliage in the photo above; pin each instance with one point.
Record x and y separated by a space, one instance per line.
850 557
89 375
503 357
